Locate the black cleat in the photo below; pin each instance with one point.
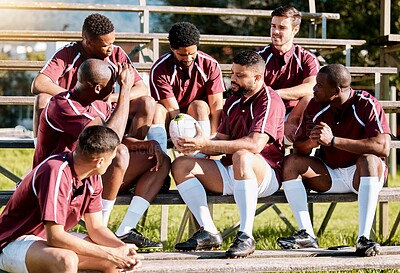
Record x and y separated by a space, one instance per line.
242 246
299 239
144 244
367 248
201 240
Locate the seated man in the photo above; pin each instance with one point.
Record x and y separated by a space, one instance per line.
185 80
59 73
354 138
289 69
251 137
140 164
52 199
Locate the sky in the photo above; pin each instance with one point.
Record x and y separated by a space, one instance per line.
12 19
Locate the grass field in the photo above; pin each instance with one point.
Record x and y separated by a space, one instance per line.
342 229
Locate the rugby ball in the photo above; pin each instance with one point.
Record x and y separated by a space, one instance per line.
182 125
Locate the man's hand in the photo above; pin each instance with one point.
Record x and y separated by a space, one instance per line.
126 258
322 134
126 76
188 145
155 150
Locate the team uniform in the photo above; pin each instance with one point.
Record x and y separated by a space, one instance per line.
62 67
289 69
168 79
51 192
61 122
362 117
263 113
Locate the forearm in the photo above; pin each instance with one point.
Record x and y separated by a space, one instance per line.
134 144
296 92
119 117
214 147
305 147
103 236
379 147
43 84
214 120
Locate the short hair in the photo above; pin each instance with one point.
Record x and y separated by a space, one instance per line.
337 75
95 25
93 71
96 140
183 34
250 59
289 12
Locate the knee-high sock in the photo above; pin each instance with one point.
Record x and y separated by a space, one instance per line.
205 127
106 210
194 195
245 193
135 211
157 132
367 201
296 196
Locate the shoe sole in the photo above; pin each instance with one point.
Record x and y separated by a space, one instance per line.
150 249
241 256
199 249
285 245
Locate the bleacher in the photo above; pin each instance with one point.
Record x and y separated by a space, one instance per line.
153 41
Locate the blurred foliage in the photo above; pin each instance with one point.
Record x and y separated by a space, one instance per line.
359 19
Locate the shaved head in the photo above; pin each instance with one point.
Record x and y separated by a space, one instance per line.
94 71
337 75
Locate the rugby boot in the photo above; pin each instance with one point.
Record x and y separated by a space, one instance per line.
366 247
144 244
201 240
299 239
242 246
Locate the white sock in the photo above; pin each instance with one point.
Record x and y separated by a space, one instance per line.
106 210
367 201
135 211
157 132
205 127
245 193
296 196
194 195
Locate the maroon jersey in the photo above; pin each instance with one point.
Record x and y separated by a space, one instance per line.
362 117
168 79
262 113
289 69
51 192
63 66
61 122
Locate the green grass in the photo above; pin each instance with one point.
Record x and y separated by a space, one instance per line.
342 229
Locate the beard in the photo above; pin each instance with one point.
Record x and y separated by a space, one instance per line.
241 91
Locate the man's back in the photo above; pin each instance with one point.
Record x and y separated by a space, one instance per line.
62 121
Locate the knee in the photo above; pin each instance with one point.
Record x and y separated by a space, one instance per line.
368 163
292 161
180 169
67 262
199 108
242 159
144 105
121 160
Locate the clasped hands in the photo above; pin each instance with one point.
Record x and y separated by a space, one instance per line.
321 134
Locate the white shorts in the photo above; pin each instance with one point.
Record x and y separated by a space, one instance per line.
268 186
342 179
12 257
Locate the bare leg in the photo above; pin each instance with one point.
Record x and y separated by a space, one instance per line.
295 117
141 111
40 103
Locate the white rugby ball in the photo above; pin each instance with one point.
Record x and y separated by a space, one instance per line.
182 125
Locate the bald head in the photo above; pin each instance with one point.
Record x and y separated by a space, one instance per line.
93 71
337 75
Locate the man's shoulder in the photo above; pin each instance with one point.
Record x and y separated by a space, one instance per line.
55 162
204 57
300 51
164 62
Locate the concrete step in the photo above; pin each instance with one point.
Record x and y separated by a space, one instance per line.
268 261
